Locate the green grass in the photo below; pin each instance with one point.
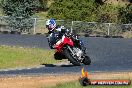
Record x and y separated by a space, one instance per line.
13 57
77 85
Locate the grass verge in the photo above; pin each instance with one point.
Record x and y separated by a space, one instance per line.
12 57
127 34
96 76
61 80
77 85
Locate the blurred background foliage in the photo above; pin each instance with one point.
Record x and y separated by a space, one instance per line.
20 12
91 10
71 10
77 10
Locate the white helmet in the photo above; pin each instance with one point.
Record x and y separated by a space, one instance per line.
50 24
47 22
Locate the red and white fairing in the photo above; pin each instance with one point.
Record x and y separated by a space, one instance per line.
64 41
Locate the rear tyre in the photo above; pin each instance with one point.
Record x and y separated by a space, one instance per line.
87 60
59 56
71 58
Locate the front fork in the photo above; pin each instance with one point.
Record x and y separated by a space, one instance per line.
74 55
71 50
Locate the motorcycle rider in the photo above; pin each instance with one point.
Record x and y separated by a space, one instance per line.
55 32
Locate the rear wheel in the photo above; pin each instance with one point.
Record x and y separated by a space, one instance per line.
59 56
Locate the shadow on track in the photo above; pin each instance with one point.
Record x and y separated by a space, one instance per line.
53 65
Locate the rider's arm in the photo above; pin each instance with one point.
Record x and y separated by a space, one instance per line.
58 29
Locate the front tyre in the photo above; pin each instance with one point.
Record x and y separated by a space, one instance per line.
87 60
71 58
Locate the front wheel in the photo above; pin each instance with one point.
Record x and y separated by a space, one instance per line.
71 58
87 60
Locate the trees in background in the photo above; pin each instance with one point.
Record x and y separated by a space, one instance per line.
90 10
125 14
83 10
43 5
107 13
20 13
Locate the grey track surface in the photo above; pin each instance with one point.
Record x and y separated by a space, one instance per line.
107 54
38 41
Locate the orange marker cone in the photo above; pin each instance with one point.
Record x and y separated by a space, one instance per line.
84 80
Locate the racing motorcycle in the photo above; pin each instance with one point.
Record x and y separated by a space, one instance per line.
70 47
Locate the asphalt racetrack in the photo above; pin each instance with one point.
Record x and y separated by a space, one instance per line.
107 54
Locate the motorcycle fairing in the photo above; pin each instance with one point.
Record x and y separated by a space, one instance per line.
64 41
